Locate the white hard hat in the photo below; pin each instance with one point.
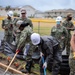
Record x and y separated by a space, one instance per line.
59 18
35 38
10 13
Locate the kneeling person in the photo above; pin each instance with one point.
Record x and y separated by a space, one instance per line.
49 48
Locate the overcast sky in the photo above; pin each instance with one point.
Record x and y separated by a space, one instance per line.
42 5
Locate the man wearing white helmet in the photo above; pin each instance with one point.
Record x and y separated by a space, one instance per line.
49 48
59 32
10 13
7 25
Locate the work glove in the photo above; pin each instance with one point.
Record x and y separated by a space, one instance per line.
17 50
27 48
41 54
45 65
74 55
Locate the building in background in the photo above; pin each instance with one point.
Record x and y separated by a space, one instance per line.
34 13
59 12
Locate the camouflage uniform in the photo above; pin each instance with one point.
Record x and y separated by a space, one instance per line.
68 24
24 37
8 34
26 20
17 34
23 41
58 33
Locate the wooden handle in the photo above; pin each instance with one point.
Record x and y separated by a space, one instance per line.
10 63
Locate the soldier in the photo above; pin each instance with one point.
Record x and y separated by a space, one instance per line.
26 31
69 26
72 55
60 32
7 25
17 31
24 18
24 40
49 48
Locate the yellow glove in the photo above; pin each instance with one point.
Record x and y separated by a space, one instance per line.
74 55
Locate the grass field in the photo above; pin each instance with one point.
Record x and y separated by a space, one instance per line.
42 26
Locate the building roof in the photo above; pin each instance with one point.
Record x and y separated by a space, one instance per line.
28 6
61 10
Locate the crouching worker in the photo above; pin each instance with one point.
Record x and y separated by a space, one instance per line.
49 48
72 55
23 41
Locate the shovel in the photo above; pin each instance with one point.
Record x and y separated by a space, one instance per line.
44 67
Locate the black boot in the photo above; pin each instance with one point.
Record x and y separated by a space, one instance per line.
28 67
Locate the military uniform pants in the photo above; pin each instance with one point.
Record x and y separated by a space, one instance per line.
72 66
8 38
68 46
57 59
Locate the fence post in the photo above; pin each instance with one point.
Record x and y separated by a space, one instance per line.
39 27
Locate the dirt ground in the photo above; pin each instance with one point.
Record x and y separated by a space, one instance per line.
4 60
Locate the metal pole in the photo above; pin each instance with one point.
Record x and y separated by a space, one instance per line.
39 27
